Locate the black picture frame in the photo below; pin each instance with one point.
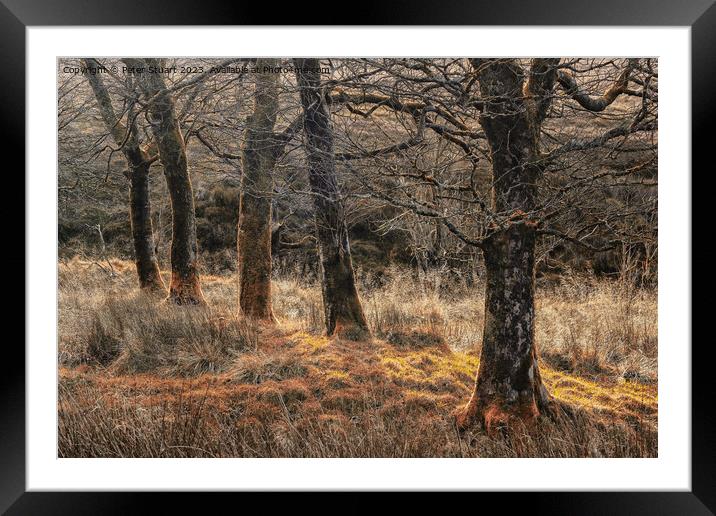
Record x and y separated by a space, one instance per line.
17 15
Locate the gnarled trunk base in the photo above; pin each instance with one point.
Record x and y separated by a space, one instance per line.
343 312
496 414
255 298
150 279
186 290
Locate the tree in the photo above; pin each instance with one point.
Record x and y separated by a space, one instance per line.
508 381
185 287
511 160
342 308
261 149
138 164
509 384
518 177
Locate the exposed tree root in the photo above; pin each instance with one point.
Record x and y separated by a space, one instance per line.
498 416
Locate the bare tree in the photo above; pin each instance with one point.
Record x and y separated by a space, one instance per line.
138 164
185 287
508 161
261 149
342 307
508 382
530 171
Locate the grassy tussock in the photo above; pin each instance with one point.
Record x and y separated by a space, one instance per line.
143 379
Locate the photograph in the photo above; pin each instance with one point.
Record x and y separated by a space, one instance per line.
357 257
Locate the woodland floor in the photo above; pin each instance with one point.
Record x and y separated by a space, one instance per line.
140 378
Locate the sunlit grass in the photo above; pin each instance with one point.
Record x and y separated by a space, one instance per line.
207 383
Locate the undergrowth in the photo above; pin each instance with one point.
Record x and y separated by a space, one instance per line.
140 378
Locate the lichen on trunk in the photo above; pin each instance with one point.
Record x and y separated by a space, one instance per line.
508 387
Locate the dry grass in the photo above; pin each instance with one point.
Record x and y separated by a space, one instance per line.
138 378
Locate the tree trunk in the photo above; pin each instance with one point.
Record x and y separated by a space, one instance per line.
185 288
509 387
140 210
140 213
508 384
258 158
342 308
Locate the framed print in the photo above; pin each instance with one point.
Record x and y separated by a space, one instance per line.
439 250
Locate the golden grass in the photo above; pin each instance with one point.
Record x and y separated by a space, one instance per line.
138 378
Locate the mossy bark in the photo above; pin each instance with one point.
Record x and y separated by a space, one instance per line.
342 307
509 386
258 158
185 287
138 164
